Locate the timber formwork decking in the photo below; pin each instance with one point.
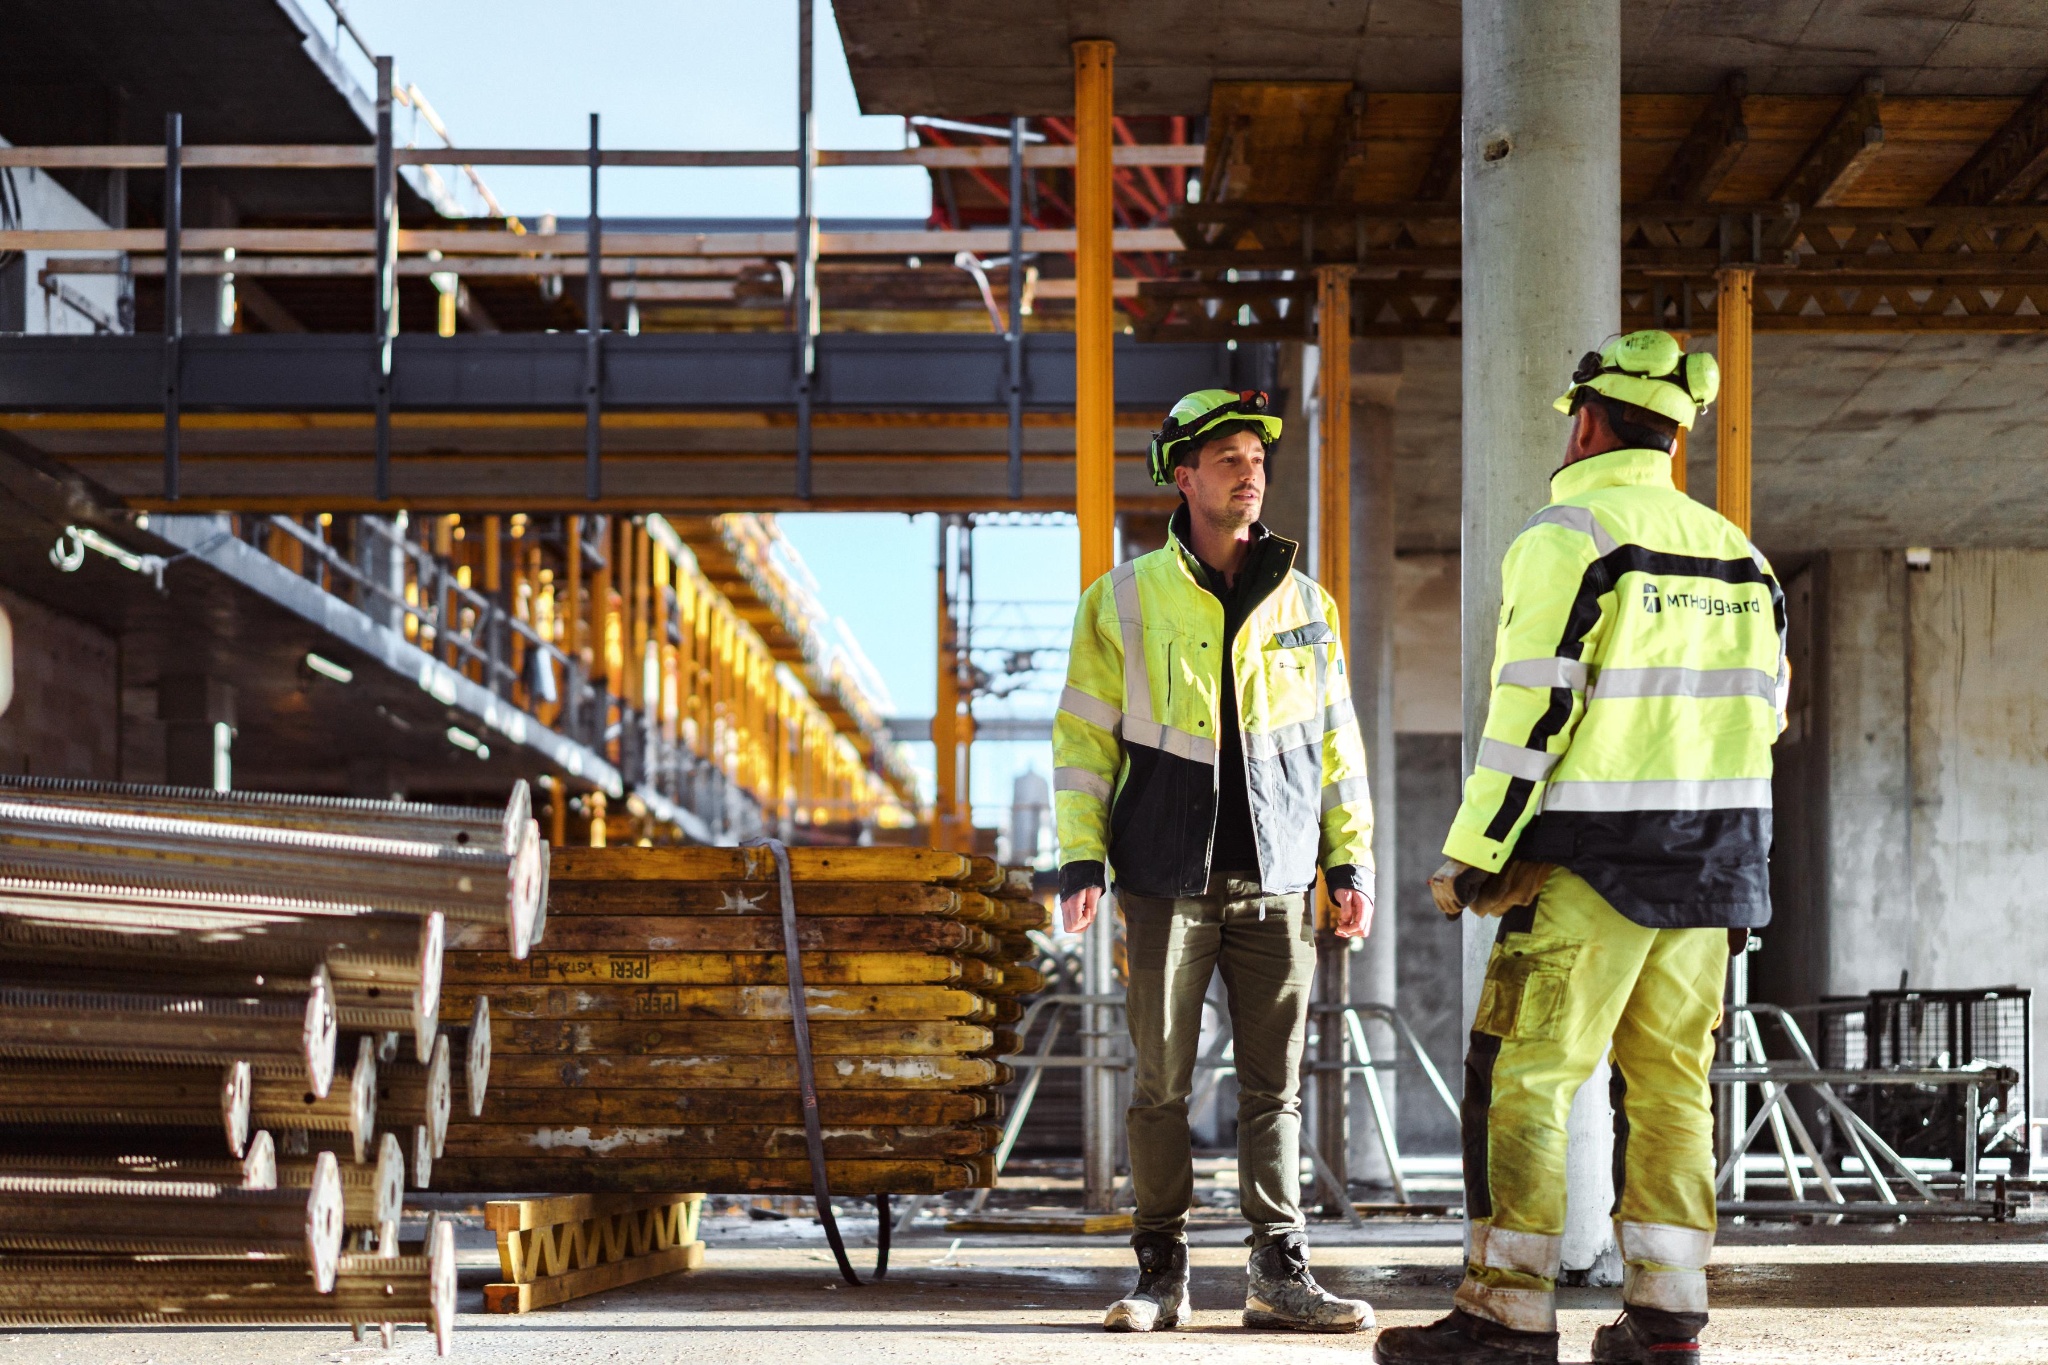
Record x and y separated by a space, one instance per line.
650 1046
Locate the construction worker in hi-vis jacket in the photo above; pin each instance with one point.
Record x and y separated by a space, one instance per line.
1206 754
1618 820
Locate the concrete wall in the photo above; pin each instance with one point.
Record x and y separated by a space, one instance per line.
1936 818
1427 718
1431 946
65 718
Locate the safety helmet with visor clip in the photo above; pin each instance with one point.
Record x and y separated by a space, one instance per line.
1201 412
1651 370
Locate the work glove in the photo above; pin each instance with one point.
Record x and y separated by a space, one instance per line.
1460 886
1454 886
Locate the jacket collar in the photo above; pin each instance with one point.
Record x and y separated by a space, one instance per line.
1265 542
1613 469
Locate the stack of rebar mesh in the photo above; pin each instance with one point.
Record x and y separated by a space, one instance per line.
222 1054
651 1046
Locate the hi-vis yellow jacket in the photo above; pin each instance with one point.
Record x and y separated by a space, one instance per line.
1135 741
1639 682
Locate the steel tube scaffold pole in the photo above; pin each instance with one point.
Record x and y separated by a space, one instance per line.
1016 333
805 289
386 322
174 294
593 327
946 711
1094 337
1332 1120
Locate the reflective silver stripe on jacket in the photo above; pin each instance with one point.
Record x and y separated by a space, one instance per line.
1094 710
1684 682
1720 793
1580 519
1273 743
1166 739
1130 615
1516 761
1080 780
1344 791
1545 673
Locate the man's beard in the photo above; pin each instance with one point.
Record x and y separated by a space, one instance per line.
1231 516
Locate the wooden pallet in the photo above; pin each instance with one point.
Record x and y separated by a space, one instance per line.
568 1246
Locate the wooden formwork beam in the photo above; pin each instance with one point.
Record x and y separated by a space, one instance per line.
571 1246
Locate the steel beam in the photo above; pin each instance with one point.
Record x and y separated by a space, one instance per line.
876 372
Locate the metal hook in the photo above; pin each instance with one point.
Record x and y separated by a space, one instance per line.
68 559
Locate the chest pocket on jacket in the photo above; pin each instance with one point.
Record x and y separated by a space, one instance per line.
1314 633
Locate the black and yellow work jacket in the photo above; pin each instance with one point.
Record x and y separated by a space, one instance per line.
1639 682
1135 743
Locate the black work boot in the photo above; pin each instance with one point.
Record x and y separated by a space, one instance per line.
1463 1339
1160 1302
1649 1336
1282 1296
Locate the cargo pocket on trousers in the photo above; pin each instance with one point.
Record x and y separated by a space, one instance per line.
1524 995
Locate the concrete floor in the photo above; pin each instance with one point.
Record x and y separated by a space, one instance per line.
769 1293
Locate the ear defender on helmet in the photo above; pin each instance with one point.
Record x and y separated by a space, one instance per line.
1649 369
1702 378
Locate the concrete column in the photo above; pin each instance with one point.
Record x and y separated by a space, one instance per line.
198 713
1542 285
1375 380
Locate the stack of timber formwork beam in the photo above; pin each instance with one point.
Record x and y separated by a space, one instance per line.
651 1048
222 1049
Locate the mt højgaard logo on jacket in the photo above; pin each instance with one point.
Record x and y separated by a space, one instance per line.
1655 600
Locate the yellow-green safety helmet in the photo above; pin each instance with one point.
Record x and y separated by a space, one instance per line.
1202 411
1651 370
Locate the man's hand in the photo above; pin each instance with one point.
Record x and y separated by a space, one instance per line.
1445 891
1077 911
1354 913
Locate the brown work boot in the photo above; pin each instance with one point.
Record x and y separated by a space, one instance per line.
1649 1336
1462 1339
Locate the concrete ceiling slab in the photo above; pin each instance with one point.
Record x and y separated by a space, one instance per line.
1861 442
951 58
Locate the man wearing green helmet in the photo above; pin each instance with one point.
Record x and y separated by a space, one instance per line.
1618 820
1207 756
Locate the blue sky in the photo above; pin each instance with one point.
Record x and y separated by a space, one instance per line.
676 74
687 73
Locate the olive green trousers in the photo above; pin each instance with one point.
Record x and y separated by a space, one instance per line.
1264 946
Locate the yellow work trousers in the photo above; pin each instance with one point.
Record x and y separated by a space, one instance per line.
1569 975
